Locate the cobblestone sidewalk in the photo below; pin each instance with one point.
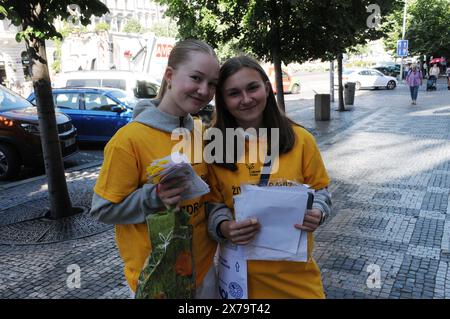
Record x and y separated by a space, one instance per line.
389 235
390 232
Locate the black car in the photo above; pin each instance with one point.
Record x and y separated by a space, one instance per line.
20 142
390 70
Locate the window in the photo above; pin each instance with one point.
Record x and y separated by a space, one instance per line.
67 100
145 90
10 100
114 83
98 102
125 98
83 83
376 73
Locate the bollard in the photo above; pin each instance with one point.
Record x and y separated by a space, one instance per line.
322 107
349 93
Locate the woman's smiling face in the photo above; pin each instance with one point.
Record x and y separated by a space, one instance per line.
245 96
193 82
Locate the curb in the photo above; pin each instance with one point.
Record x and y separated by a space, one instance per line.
37 178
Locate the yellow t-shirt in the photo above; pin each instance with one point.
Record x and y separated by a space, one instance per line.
303 164
127 156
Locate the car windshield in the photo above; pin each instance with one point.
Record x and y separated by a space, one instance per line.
10 100
348 71
125 98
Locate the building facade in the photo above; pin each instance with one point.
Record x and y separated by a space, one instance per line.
13 62
13 58
121 11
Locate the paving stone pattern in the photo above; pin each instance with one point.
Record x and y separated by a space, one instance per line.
391 190
390 168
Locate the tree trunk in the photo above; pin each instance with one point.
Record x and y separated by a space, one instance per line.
278 77
60 204
276 56
341 107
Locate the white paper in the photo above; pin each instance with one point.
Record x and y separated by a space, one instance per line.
277 212
259 253
232 272
277 208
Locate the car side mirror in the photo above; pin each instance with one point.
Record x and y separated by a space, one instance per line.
117 109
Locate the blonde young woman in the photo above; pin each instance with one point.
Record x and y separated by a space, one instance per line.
124 197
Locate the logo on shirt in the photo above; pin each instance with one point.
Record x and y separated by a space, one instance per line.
192 209
252 171
235 290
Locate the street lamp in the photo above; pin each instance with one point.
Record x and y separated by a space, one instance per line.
403 36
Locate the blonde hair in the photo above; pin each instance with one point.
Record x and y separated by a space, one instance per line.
180 53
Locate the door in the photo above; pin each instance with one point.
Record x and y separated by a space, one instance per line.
380 79
99 121
366 78
69 103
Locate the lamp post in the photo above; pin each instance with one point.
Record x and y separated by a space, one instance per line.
403 36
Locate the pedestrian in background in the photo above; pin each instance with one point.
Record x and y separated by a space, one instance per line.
414 81
425 69
123 196
406 70
435 71
245 99
448 75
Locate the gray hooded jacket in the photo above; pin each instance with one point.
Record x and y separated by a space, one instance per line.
143 201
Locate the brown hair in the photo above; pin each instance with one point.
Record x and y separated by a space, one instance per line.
273 116
180 53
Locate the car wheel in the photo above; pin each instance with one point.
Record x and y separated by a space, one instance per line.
9 162
357 86
295 89
391 85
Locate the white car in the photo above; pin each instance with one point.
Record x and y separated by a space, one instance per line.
140 85
369 78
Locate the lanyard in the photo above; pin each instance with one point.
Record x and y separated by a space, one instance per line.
265 172
265 176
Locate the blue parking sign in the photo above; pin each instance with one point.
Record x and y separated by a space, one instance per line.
402 48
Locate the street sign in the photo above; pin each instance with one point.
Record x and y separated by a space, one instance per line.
402 48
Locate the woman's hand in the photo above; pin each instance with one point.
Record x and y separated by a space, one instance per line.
311 220
170 191
240 233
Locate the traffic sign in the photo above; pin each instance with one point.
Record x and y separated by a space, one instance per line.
402 48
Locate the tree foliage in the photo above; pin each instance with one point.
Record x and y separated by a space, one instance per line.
427 28
36 17
165 28
132 26
276 30
102 26
305 30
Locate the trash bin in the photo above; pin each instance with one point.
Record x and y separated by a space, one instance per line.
349 93
322 107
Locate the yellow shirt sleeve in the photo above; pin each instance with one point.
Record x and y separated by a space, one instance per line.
314 170
119 175
215 195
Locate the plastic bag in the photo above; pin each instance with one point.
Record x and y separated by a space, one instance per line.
169 271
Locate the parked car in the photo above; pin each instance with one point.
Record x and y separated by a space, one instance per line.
97 113
390 70
291 84
368 78
141 85
20 142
